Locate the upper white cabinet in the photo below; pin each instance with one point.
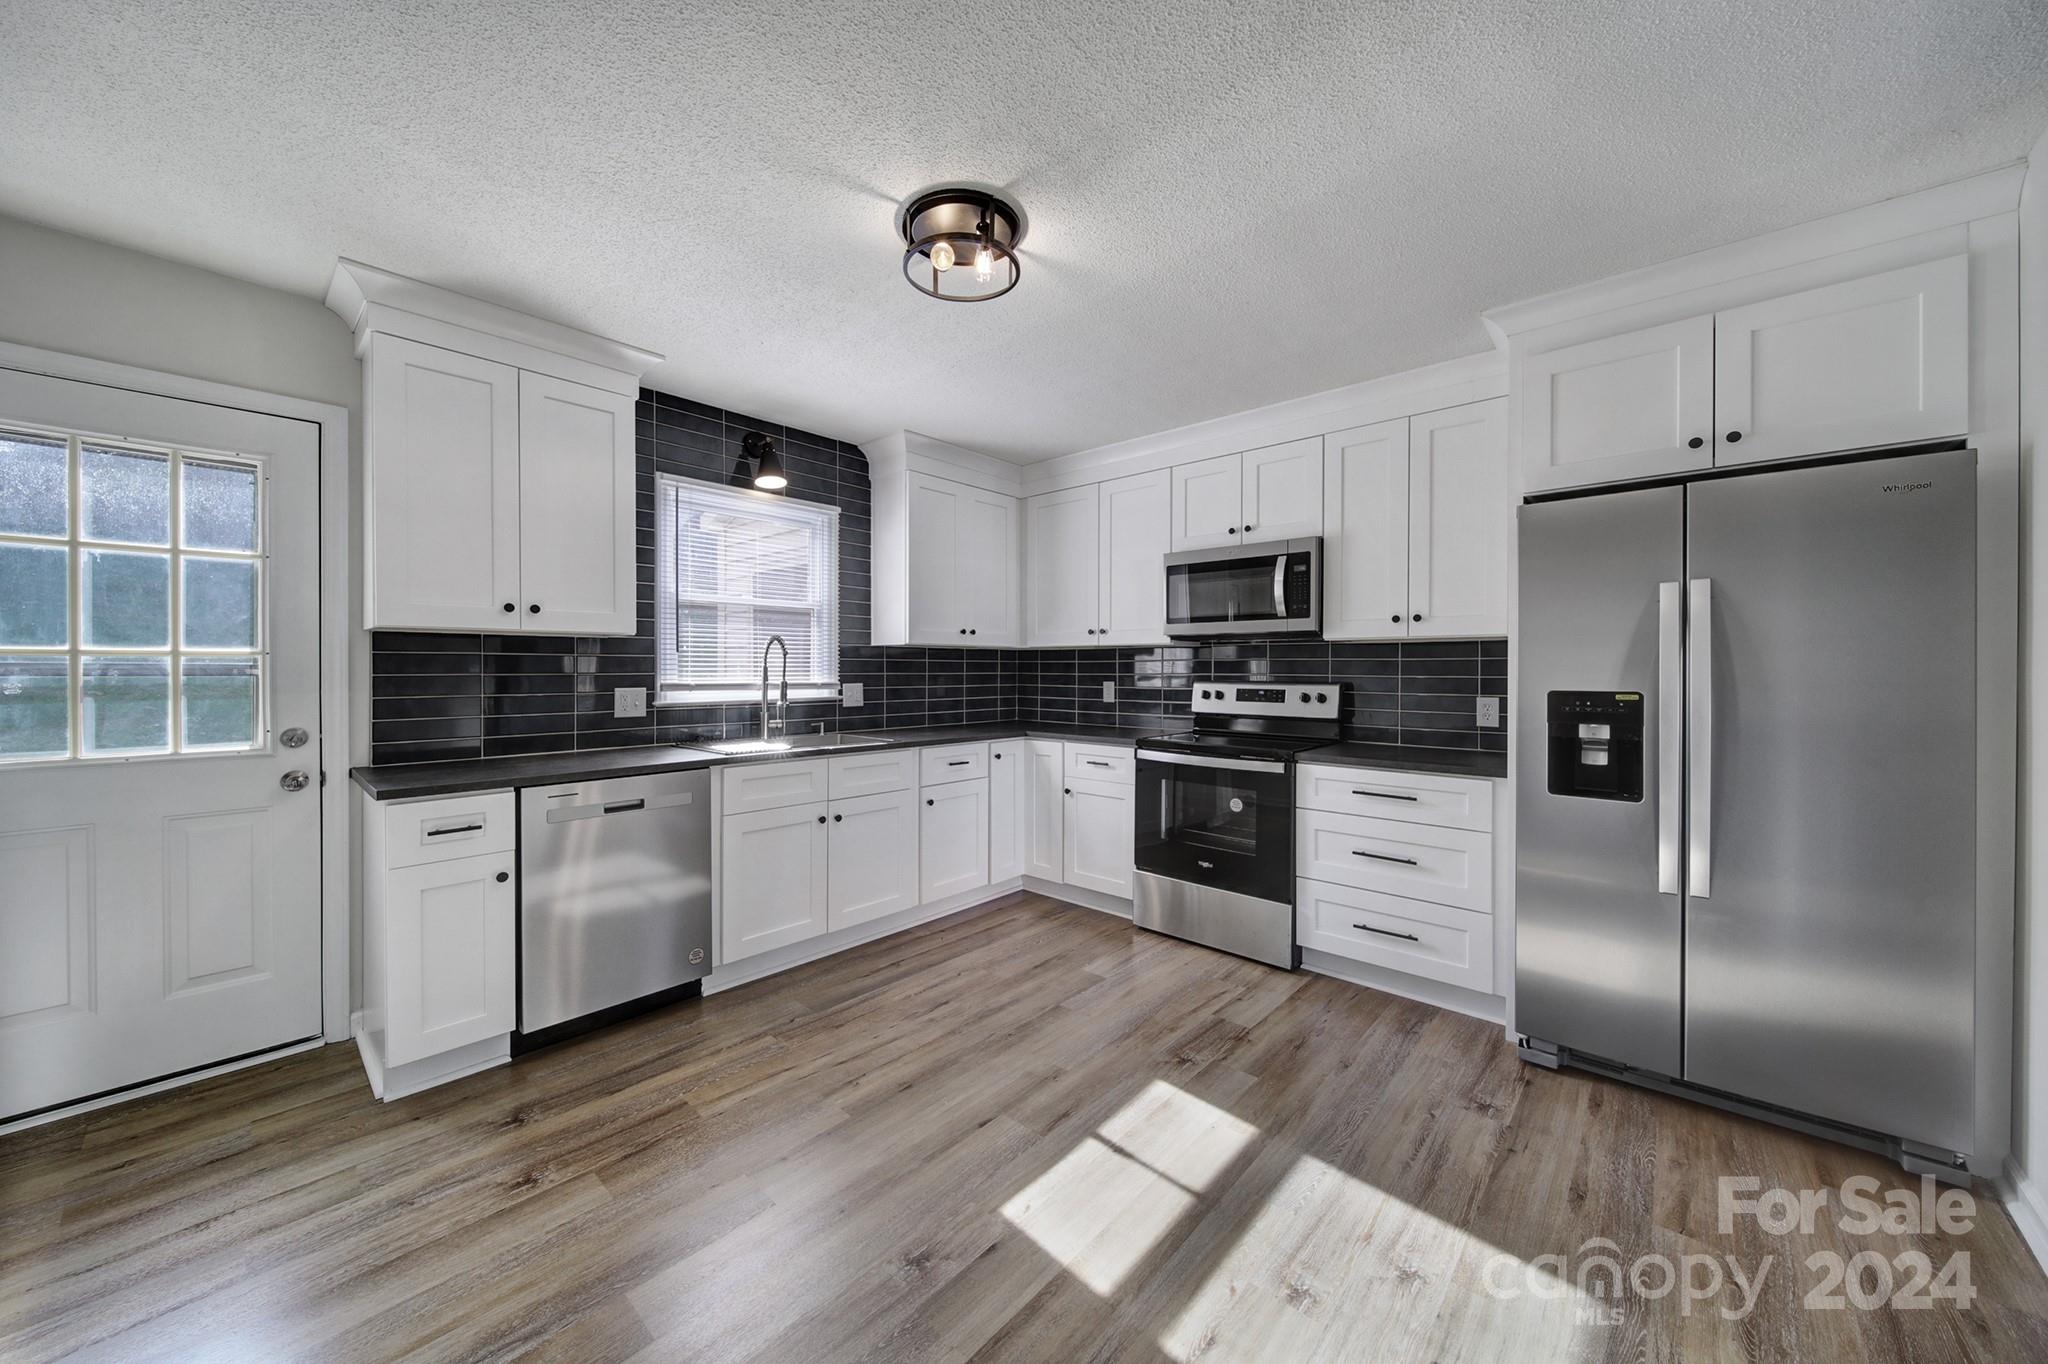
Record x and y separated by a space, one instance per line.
1095 563
1635 405
1874 361
1417 519
950 553
498 455
1274 493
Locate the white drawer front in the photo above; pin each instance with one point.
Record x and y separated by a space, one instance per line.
1422 939
953 762
772 785
869 774
1444 866
1411 797
449 826
1102 762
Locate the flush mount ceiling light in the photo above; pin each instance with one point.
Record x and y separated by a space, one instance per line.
759 447
961 244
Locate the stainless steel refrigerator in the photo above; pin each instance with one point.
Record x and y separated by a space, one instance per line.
1746 792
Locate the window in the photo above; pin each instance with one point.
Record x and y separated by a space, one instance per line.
733 568
131 600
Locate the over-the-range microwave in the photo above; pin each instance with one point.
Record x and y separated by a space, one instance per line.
1274 588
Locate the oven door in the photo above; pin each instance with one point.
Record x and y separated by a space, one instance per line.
1268 589
1227 823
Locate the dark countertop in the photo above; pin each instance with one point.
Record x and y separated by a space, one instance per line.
1448 762
400 781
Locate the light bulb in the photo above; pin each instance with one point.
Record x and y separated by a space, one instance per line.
984 264
942 256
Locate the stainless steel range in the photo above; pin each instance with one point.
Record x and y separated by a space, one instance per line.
1215 821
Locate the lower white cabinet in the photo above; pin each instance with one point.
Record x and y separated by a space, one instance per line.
872 857
1099 836
952 848
772 878
1423 939
450 963
1043 828
1008 773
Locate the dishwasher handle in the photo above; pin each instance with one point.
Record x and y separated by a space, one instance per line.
562 814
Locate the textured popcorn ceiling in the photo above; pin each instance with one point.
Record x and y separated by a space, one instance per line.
1230 203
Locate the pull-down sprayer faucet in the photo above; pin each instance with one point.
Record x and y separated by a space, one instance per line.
780 725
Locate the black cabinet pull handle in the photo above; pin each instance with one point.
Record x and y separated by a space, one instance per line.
618 807
455 829
1095 762
1387 932
510 607
1383 795
504 876
1734 436
1385 857
959 762
1695 443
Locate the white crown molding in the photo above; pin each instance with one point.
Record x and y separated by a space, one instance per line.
371 300
901 451
1927 210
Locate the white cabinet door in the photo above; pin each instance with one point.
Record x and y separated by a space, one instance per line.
1629 406
1100 836
1135 519
952 843
1365 532
1460 519
938 597
1045 811
988 555
1873 361
771 878
450 955
872 867
576 509
441 490
1208 503
1283 491
1061 590
1008 777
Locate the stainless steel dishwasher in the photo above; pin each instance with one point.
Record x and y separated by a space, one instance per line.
614 893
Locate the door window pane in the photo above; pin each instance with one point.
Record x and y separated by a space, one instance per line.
219 696
34 485
125 705
35 706
127 496
220 506
220 604
127 599
34 595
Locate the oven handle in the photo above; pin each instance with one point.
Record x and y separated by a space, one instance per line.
1197 760
1280 587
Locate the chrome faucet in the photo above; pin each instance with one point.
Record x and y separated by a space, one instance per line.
780 724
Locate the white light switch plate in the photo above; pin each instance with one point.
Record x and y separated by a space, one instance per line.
1489 712
629 702
1109 692
853 693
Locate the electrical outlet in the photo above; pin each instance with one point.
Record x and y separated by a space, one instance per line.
1489 712
853 693
1109 692
629 703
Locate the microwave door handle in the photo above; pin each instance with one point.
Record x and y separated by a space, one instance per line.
1280 587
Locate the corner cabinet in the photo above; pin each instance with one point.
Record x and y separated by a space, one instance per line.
946 561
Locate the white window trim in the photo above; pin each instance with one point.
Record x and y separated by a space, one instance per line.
673 694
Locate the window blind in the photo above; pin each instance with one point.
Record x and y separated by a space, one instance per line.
732 569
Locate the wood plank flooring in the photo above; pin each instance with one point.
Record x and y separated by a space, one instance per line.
1028 1132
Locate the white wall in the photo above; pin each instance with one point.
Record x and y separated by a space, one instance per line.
81 297
2030 1059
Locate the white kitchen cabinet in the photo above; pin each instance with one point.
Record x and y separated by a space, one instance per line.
1365 532
1208 503
952 851
1283 491
1879 360
1460 521
990 557
495 498
1412 936
1045 810
959 573
1135 517
1062 588
1100 836
1635 405
872 862
772 879
1008 775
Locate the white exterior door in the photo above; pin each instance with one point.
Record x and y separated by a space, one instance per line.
159 609
1365 532
576 517
1460 521
1136 518
1208 503
1872 361
1060 593
1283 491
1045 811
771 876
1635 405
872 862
987 556
1100 836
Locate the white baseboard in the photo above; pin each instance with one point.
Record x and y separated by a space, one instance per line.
810 950
158 1087
1491 1008
2025 1202
1079 895
396 1082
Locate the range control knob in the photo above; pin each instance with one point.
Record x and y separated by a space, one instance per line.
1304 696
1321 697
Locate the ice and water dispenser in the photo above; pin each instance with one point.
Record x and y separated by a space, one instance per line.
1596 744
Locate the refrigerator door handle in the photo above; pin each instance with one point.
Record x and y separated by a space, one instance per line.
1670 734
1699 853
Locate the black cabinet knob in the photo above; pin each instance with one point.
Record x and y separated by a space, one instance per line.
1068 791
821 819
963 629
1233 530
1416 616
998 757
1247 530
1734 436
837 818
504 876
974 632
1396 618
510 607
931 802
534 608
1695 443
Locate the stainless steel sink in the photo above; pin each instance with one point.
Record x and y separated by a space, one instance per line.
794 743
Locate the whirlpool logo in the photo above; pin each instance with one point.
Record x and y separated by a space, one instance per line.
1919 487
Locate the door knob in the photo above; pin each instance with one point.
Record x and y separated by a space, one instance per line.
293 737
294 780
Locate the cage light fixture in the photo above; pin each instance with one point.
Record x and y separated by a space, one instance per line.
960 244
